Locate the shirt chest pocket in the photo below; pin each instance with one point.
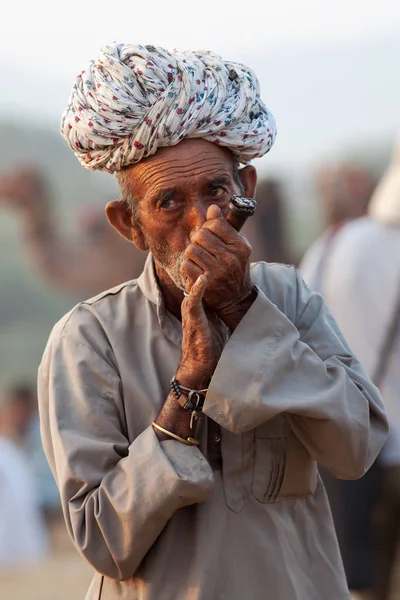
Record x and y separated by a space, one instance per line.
282 467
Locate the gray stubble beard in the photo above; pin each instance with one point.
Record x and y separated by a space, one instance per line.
171 262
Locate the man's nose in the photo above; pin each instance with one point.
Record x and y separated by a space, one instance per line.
197 215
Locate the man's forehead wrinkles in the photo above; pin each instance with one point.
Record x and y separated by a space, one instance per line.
181 178
186 167
175 174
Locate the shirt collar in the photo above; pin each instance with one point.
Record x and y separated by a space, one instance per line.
151 290
148 282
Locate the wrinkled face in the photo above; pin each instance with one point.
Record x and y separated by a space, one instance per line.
172 191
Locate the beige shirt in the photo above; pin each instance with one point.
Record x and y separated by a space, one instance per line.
164 521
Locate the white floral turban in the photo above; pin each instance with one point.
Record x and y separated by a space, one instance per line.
133 100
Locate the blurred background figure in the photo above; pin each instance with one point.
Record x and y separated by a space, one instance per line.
23 536
343 193
267 233
98 260
46 491
361 285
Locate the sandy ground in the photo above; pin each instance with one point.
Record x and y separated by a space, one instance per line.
63 576
59 578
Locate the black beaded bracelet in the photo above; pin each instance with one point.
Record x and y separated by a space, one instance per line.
176 388
193 400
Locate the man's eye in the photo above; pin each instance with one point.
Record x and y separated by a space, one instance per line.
168 203
217 191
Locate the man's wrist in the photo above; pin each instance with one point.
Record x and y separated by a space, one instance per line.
193 378
174 418
232 313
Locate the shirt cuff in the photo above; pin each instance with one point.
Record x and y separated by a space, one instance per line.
239 372
194 475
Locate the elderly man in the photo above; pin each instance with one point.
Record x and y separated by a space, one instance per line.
183 414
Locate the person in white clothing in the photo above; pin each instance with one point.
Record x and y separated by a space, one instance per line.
23 537
344 192
361 285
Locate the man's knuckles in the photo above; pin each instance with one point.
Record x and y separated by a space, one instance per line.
191 251
200 256
221 228
190 270
247 247
202 236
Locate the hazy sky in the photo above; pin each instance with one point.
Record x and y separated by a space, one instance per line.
329 71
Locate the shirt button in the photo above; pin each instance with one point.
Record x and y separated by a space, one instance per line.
216 438
221 415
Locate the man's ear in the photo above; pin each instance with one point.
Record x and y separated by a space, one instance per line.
248 177
121 218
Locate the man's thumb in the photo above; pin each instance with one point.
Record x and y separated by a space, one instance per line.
213 212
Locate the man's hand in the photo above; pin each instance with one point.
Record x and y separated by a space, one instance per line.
223 255
201 349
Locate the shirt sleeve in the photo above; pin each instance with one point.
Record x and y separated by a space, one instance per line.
271 365
116 496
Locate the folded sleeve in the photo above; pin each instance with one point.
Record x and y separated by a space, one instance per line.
304 368
116 496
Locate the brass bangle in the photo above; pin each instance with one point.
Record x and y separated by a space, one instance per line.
188 441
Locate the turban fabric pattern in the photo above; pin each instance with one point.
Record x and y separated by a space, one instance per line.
135 99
